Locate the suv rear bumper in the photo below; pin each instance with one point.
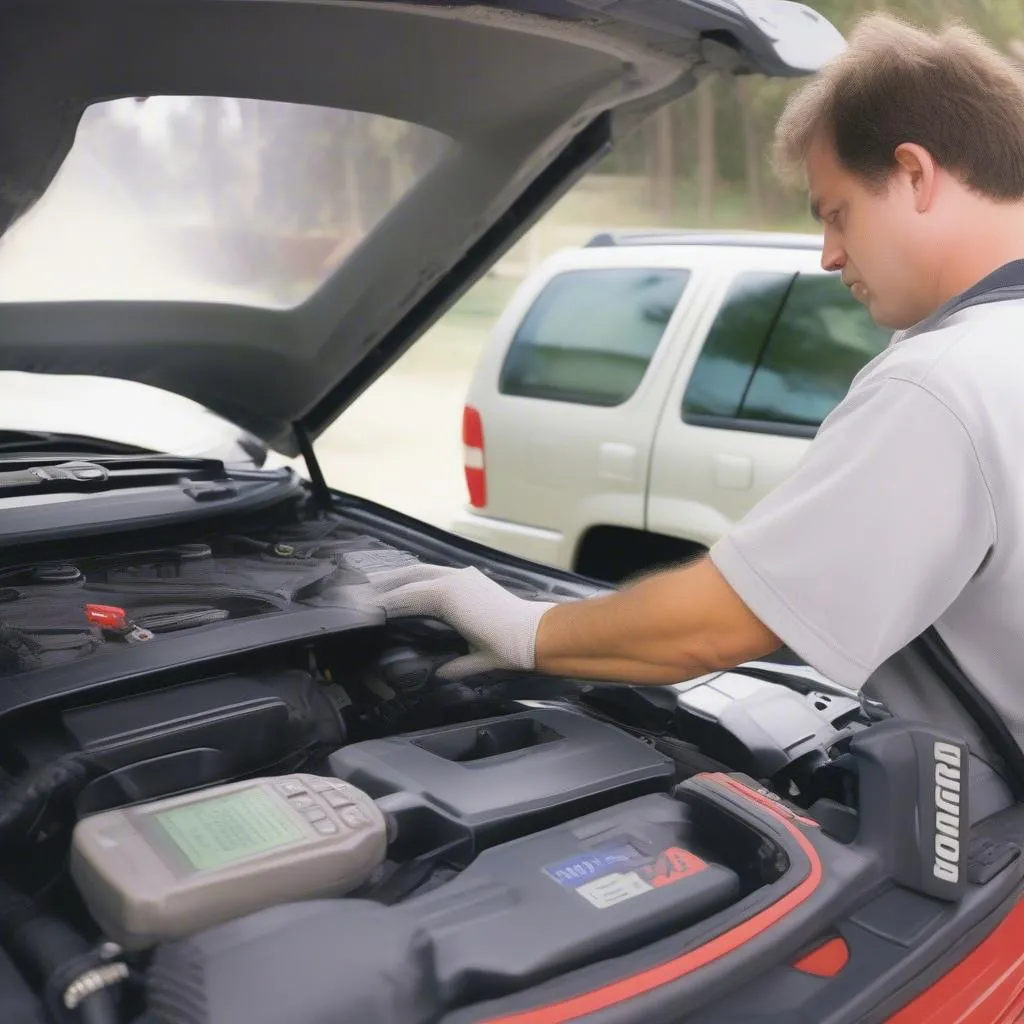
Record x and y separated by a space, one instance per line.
531 542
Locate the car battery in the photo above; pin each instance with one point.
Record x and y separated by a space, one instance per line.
592 888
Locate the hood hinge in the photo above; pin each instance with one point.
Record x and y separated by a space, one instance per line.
321 492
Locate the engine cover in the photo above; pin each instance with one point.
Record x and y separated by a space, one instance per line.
493 780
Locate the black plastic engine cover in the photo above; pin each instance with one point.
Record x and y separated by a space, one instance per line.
202 733
490 781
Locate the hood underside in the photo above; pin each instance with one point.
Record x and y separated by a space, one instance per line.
520 100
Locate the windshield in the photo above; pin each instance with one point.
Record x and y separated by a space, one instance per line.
122 411
189 199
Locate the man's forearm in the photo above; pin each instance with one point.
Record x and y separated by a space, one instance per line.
671 626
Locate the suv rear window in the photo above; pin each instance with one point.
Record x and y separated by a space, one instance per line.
784 349
591 334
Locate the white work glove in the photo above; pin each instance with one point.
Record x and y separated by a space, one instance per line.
500 627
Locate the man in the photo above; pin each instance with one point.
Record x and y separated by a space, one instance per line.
908 509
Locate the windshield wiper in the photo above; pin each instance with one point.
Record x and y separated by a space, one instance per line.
105 473
66 472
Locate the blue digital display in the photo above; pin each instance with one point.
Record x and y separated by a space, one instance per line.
586 866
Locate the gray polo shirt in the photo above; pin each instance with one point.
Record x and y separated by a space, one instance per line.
907 511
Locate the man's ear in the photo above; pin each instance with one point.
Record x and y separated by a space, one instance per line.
919 170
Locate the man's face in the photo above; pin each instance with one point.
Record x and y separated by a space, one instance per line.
874 238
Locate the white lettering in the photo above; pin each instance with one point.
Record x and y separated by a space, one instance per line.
947 801
947 777
948 769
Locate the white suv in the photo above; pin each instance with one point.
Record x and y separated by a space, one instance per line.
639 395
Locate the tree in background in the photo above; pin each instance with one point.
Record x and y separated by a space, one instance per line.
254 193
255 185
706 159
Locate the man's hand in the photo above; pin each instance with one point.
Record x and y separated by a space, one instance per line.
667 628
501 627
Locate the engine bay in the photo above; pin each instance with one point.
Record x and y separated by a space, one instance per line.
129 696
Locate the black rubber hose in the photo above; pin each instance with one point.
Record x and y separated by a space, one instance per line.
51 954
26 799
93 1011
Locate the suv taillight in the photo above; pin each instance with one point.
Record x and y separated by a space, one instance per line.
473 447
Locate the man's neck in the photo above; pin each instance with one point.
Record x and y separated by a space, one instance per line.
997 238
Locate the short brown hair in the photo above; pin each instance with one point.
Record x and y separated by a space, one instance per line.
950 92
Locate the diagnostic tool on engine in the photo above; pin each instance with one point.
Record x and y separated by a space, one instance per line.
172 867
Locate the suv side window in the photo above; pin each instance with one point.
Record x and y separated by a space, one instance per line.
591 334
783 350
821 341
723 369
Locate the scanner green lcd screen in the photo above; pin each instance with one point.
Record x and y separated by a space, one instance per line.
215 832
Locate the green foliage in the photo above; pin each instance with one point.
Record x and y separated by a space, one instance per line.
1000 21
280 171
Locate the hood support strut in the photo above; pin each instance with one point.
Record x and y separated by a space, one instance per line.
321 492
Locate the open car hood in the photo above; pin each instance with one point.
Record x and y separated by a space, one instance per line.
525 95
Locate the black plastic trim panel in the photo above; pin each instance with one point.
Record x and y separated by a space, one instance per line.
33 520
181 650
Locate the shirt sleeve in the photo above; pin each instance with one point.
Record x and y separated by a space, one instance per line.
879 529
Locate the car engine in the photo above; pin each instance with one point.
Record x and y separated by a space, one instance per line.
248 662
